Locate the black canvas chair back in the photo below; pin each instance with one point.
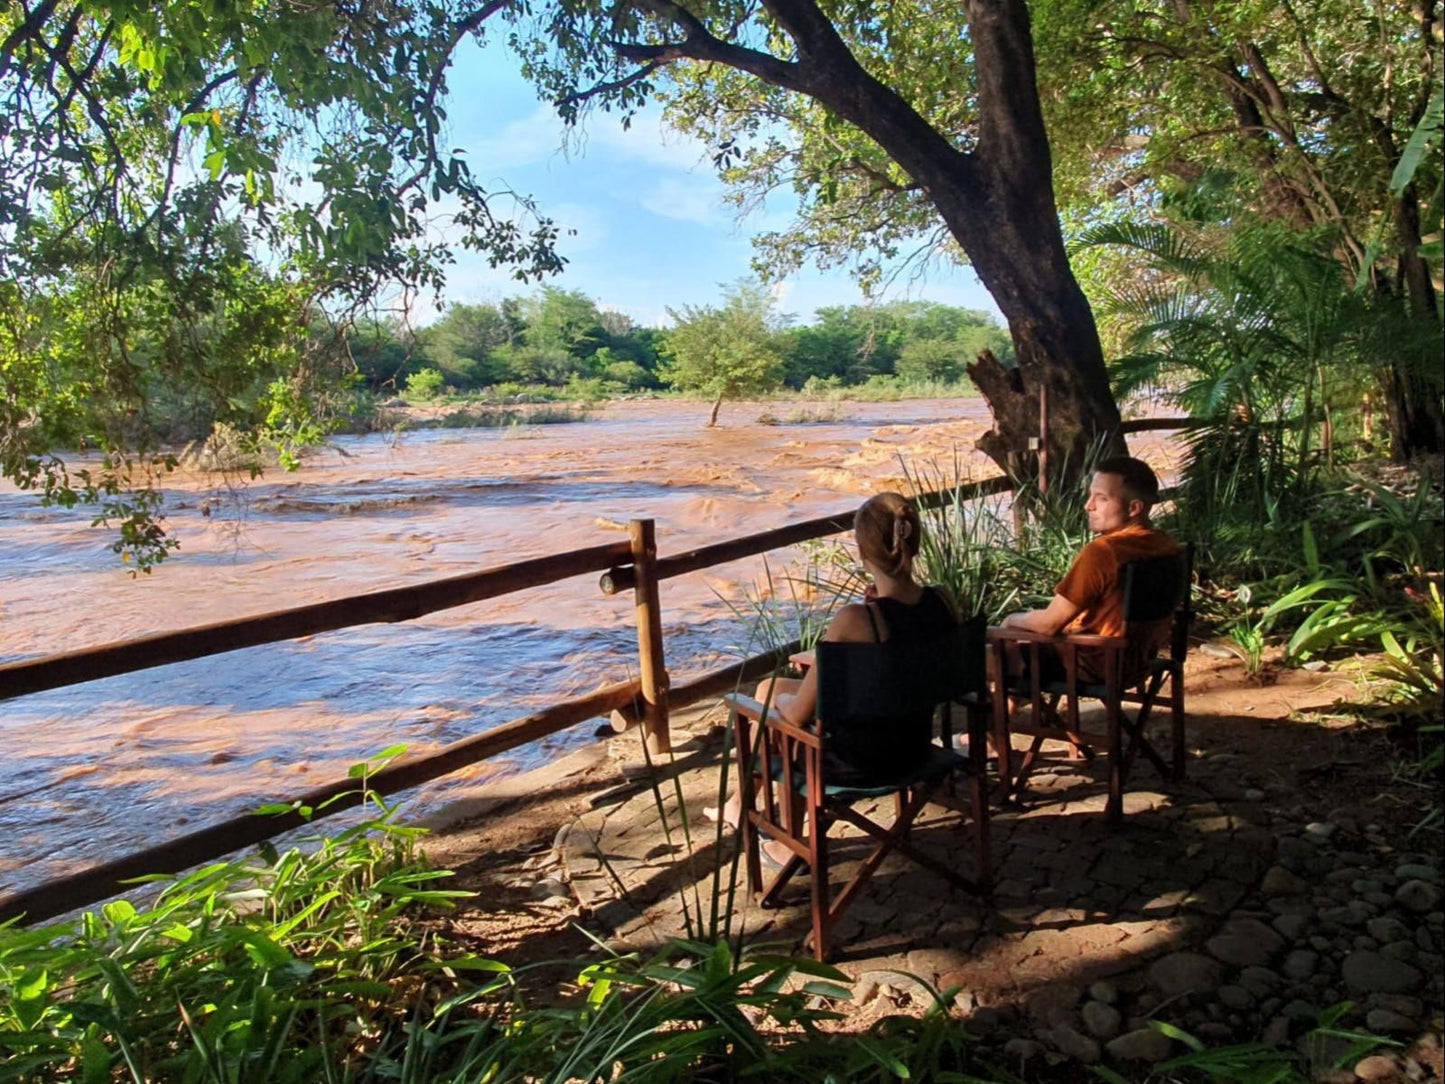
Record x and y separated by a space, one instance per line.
1154 591
876 701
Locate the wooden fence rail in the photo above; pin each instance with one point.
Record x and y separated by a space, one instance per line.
631 565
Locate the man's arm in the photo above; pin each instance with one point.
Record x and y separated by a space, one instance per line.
1049 621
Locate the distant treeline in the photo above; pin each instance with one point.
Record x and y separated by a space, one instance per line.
561 337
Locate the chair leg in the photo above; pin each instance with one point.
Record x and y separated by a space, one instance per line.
818 861
1176 707
978 795
1002 746
1114 808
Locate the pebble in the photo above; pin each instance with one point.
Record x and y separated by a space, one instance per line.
1300 964
1292 927
1245 942
1103 1021
1377 1067
1388 1022
1235 997
1370 972
1253 794
1276 1032
1077 1046
1418 896
1387 929
1300 1010
1279 881
1186 972
1023 1049
1142 1044
1417 871
1104 991
1320 831
1259 981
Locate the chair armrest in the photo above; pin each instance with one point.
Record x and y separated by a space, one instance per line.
754 710
1002 634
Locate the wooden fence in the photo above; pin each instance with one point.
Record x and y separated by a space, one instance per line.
633 566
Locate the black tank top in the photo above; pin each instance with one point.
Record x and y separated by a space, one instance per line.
926 619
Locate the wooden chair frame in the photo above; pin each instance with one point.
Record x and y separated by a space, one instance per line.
1141 687
783 764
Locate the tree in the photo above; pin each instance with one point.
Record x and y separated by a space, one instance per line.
1262 111
724 353
888 120
147 152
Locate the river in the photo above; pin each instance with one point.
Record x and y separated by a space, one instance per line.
96 770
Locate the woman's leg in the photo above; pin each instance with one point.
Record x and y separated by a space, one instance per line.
772 693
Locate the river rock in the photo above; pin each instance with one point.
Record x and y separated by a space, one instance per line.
1104 991
1300 964
1022 1049
1279 881
1186 972
1276 1032
1387 929
1235 997
1369 973
1377 1067
1292 926
1417 871
1389 1022
1103 1021
1260 981
1320 831
1077 1046
1142 1044
1418 896
1245 942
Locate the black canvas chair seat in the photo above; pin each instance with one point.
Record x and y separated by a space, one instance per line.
876 704
1157 614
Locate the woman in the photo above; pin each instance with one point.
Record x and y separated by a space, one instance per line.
894 607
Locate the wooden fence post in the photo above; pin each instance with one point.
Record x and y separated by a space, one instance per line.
652 667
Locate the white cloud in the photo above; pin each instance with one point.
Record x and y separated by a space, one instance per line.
685 199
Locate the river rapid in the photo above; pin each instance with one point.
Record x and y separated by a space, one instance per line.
94 771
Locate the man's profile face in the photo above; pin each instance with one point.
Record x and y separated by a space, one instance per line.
1108 507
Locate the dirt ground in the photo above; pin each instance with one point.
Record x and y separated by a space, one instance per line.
1243 877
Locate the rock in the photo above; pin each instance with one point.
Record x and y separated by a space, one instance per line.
1389 1022
1417 871
1418 896
1104 991
1401 950
1279 881
1103 1021
1022 1049
1260 981
1235 997
1387 929
1142 1044
1253 794
1293 926
1276 1032
1245 942
866 988
1186 972
1319 832
1075 1045
1300 964
1301 1011
1370 972
1377 1067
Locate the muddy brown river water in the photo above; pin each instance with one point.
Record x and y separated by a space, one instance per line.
97 770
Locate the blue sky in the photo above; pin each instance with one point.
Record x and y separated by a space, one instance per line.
651 230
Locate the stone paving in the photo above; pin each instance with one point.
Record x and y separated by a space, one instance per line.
1239 904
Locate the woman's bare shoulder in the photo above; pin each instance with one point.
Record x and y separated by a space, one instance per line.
850 624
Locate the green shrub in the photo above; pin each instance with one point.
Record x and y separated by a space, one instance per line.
425 384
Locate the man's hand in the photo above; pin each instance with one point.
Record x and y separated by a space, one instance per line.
1048 621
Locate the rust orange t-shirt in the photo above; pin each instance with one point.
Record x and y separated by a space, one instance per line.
1093 583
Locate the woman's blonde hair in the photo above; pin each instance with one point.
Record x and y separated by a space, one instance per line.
887 528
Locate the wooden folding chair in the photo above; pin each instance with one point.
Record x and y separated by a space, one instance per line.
874 737
1157 614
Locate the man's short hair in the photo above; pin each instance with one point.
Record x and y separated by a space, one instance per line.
1140 481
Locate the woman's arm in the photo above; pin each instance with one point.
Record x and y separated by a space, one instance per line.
849 625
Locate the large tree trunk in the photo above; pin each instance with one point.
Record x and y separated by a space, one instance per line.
997 200
1412 401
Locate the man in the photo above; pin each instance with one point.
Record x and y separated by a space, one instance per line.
1090 598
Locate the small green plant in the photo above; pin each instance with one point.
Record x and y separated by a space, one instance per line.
425 385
